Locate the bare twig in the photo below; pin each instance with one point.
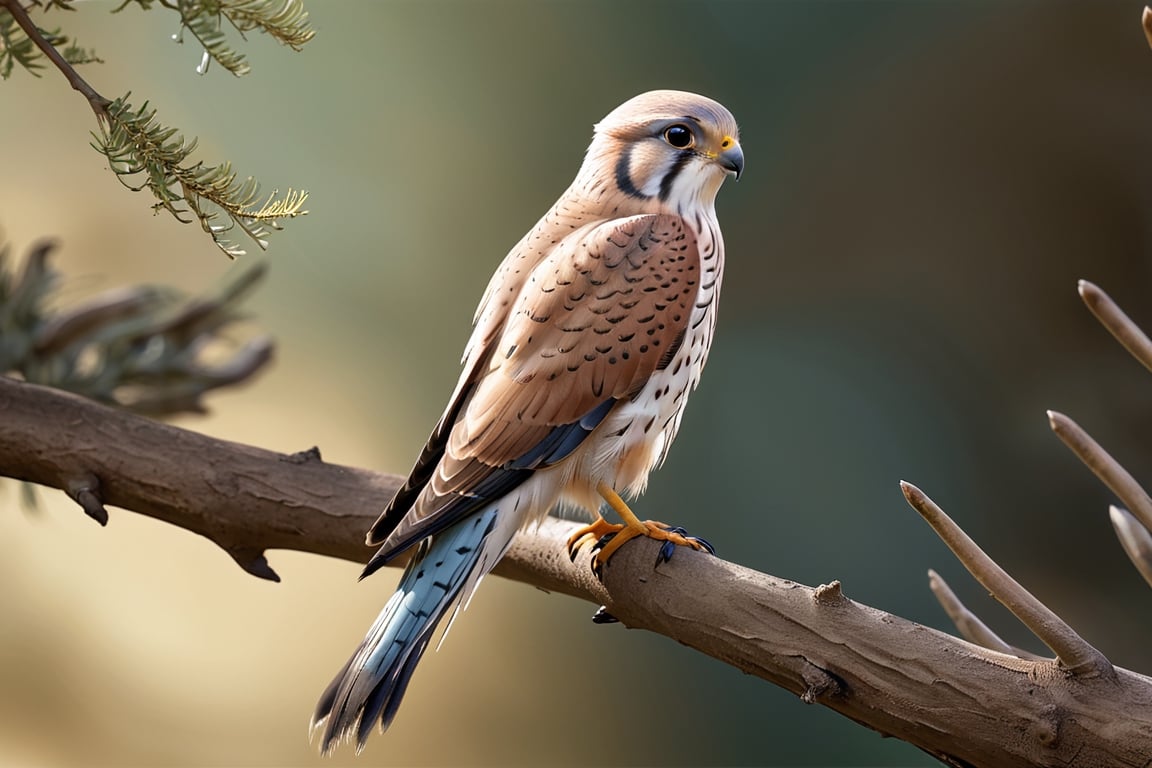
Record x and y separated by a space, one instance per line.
1112 317
1135 539
969 625
1073 652
1110 472
1133 527
98 103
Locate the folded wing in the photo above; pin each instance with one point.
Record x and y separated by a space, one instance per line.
589 324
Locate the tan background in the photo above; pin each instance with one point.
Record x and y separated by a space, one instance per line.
925 184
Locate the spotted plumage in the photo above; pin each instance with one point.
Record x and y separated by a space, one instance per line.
587 341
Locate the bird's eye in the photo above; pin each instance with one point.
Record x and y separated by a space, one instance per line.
679 136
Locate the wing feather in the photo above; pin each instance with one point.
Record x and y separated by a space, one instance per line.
596 316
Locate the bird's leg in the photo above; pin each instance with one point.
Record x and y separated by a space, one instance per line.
610 537
600 531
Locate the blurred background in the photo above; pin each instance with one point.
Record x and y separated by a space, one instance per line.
926 182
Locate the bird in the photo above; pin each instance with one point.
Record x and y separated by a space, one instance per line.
585 346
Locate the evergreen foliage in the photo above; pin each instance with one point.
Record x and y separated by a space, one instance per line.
143 152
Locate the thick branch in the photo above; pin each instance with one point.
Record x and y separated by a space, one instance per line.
964 704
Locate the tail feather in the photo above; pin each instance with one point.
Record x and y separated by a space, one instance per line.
371 685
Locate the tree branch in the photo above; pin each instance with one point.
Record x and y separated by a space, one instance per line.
1134 538
98 103
1107 469
964 704
1074 654
1113 318
969 625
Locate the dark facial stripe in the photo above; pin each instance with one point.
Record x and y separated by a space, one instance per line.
624 178
673 172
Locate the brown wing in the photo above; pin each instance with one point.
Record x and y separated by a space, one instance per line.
491 313
591 323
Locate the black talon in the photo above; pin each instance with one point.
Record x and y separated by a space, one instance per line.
667 549
603 542
704 543
603 617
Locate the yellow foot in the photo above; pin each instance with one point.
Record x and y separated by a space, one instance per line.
672 537
598 529
609 537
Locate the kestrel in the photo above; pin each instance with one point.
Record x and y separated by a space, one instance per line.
586 344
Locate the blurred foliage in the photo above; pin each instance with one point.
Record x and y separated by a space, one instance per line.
138 145
16 48
285 21
147 349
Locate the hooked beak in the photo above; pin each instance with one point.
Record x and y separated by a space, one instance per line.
732 160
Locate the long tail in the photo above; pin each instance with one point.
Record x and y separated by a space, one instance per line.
372 683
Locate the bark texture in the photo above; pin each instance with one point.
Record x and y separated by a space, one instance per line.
965 704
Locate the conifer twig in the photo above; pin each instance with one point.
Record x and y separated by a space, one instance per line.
144 153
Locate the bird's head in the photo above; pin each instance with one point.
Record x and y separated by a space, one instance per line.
672 147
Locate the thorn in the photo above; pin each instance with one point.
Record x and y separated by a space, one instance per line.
829 594
252 560
85 491
305 456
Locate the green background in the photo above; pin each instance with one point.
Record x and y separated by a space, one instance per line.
925 184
